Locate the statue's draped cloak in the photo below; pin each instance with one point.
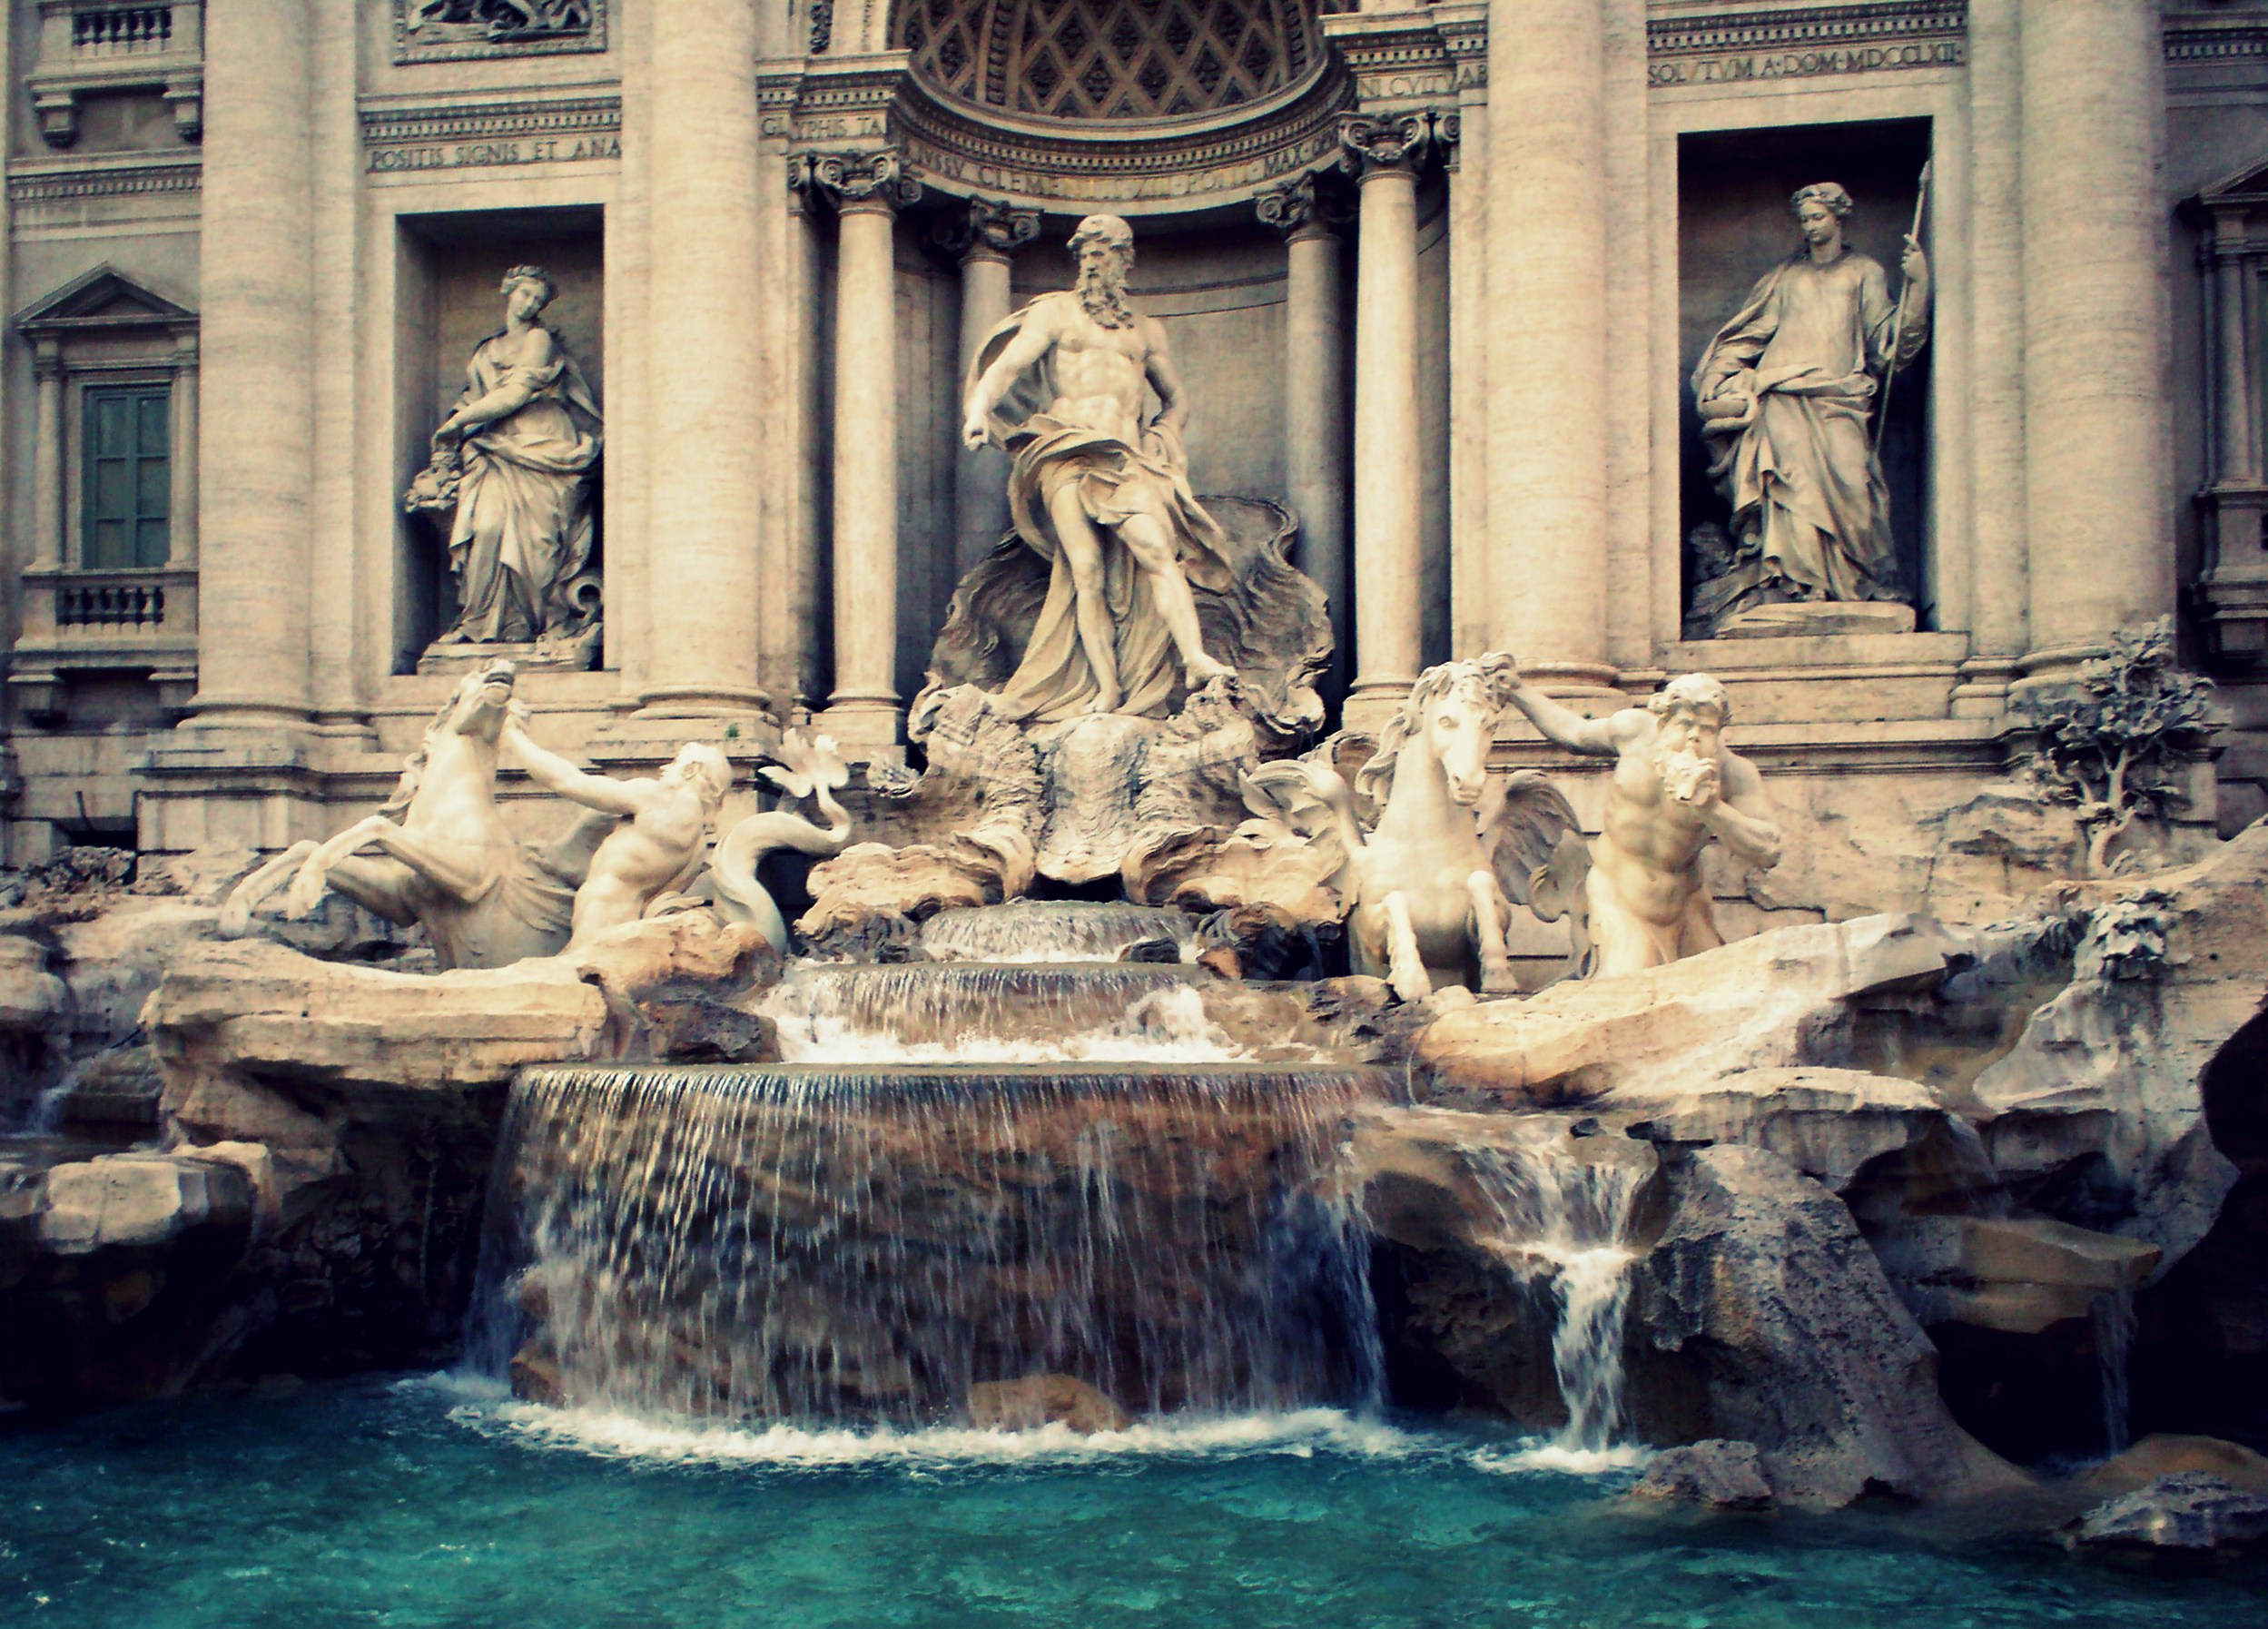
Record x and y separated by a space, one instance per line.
1809 505
1053 681
523 534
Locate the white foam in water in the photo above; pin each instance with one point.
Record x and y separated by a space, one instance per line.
1036 933
1298 1433
1553 1454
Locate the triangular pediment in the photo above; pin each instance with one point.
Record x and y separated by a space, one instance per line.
105 298
2248 183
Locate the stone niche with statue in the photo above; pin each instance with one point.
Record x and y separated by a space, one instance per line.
1806 320
1112 669
502 517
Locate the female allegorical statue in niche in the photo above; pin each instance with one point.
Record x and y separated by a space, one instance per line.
1785 390
512 466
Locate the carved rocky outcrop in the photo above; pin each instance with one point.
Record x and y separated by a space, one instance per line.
312 1194
1765 1317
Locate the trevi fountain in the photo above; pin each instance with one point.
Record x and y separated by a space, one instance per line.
1109 811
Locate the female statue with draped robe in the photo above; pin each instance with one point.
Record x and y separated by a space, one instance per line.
1786 391
512 468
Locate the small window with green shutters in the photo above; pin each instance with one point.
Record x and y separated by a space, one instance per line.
128 478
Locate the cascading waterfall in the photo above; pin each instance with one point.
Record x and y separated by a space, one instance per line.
2113 1316
1041 931
929 1012
1572 1215
866 1245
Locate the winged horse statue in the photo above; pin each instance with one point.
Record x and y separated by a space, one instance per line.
1432 878
440 854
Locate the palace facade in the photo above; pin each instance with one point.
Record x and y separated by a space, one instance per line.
1435 276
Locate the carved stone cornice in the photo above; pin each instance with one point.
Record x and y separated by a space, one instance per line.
2204 42
1741 44
990 226
505 118
1376 146
1400 60
871 179
100 176
1871 22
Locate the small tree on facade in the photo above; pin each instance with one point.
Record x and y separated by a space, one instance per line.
2106 742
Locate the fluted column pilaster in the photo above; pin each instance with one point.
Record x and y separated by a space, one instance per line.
704 361
1315 395
1388 489
1547 295
2096 449
257 331
864 712
989 239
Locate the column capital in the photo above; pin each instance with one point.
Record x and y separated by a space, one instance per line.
874 180
1303 207
47 357
1371 145
990 229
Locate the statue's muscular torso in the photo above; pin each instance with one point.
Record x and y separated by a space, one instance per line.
1101 374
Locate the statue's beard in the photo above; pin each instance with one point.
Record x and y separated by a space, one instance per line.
1681 770
1102 291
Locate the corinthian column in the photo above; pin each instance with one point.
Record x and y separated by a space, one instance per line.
1388 495
868 189
258 339
1314 403
993 232
2096 474
705 371
1547 279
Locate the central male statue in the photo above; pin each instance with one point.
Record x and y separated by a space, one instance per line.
1100 495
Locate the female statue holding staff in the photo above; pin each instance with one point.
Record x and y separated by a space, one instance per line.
1785 390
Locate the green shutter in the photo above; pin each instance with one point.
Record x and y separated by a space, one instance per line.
128 478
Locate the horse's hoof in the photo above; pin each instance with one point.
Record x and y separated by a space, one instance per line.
1412 988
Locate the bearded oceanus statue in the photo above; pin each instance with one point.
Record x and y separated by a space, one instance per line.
1120 590
1110 671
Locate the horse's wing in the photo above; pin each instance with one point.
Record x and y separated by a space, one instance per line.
1534 841
567 856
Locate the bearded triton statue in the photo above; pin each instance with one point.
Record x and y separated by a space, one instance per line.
1101 496
1676 787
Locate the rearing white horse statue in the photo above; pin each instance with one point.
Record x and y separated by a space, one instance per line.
1432 882
445 858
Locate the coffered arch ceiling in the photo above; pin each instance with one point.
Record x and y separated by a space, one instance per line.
1109 61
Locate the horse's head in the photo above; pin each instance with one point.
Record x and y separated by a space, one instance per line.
483 697
1451 713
